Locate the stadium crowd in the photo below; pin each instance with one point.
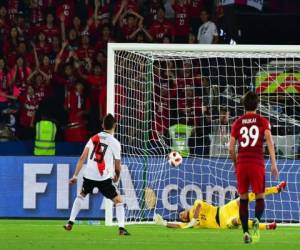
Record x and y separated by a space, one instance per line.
53 55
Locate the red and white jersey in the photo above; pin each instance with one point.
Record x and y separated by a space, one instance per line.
182 19
249 130
104 149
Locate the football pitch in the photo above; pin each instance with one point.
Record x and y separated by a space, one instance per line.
47 234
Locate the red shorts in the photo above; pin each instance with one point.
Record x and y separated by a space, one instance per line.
253 176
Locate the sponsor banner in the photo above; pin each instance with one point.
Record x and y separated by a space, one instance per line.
37 187
258 4
274 82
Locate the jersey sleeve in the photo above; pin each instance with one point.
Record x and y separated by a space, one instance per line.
234 130
116 150
266 124
89 144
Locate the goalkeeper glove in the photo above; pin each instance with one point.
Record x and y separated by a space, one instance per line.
159 220
192 223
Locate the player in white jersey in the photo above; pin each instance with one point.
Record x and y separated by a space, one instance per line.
103 156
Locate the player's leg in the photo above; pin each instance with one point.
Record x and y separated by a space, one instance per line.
257 179
87 188
263 226
269 190
109 190
120 214
243 185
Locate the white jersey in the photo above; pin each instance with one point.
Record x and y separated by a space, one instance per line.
206 33
104 149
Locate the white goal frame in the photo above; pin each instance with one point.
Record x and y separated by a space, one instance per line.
112 47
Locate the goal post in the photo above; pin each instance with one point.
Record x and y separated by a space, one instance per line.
195 91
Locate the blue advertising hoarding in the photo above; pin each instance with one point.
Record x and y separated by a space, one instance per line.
37 187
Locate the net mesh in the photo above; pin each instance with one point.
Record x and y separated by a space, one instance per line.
157 90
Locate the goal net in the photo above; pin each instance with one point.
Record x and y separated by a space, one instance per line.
184 98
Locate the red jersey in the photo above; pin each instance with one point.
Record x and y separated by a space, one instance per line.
76 104
182 19
50 32
83 53
153 10
160 29
28 107
68 10
131 5
196 6
36 14
12 8
249 130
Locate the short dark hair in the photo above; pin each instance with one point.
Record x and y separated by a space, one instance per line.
109 122
250 101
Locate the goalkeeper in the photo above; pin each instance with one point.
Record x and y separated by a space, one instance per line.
205 215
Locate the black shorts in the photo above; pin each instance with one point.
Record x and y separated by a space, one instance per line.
106 187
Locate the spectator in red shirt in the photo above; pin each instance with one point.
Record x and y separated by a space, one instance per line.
66 9
161 27
101 13
4 27
85 51
77 106
105 37
97 82
101 59
39 80
182 20
73 39
22 50
46 66
13 7
150 10
28 106
50 29
37 9
77 25
11 43
55 49
19 74
5 87
42 46
22 27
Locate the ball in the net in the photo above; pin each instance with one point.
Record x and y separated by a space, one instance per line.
175 159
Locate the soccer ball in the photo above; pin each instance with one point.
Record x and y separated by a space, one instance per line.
175 159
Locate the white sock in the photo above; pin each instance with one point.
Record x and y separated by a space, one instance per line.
76 207
120 213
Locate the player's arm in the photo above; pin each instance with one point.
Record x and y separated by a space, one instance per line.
194 221
79 165
117 170
116 149
270 144
232 152
158 219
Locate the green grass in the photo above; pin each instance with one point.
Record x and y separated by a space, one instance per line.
38 234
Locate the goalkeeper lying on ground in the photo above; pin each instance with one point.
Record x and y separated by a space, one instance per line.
205 215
